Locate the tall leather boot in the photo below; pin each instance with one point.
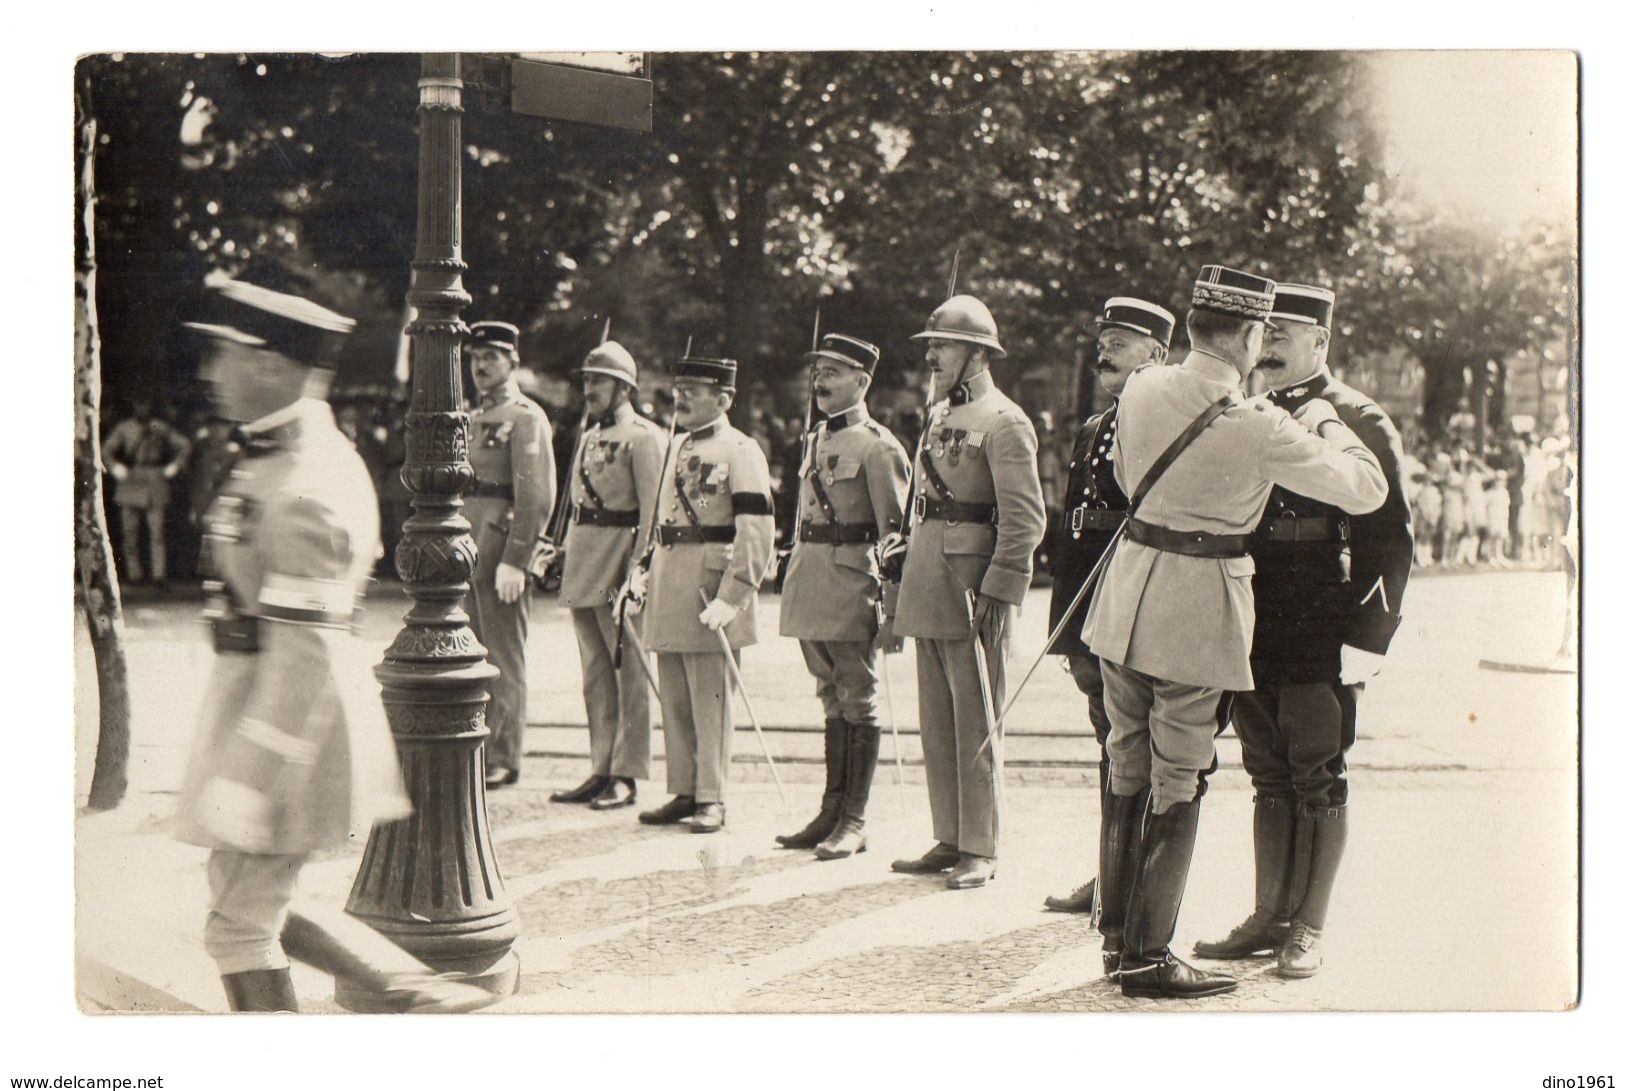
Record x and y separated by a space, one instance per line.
344 947
862 752
1321 836
1082 900
1122 822
1266 928
836 736
260 990
1149 968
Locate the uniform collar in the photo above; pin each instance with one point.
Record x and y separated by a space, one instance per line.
277 427
706 431
619 415
975 387
1209 366
507 391
1291 397
856 415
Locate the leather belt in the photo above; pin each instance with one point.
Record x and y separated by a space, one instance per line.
235 635
668 535
1190 543
1294 528
1083 518
606 517
954 511
483 491
839 533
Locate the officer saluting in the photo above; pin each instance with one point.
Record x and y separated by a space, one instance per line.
1133 334
1172 620
293 753
714 540
978 517
613 492
853 481
1328 592
512 497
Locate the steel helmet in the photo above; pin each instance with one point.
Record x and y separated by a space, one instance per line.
611 359
963 318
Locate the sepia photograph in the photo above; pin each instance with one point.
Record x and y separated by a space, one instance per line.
908 531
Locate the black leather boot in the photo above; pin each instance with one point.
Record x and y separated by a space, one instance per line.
836 737
340 945
862 752
1149 968
1265 929
1121 824
260 990
1322 834
669 813
583 792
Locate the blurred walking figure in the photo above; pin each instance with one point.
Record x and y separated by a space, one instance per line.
508 505
293 754
144 453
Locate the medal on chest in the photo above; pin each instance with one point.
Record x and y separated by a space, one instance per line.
496 434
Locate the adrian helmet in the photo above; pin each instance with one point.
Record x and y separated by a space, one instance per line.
963 318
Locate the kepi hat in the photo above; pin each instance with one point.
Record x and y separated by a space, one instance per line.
1126 312
849 351
1234 292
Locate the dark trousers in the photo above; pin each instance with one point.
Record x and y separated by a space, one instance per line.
1295 737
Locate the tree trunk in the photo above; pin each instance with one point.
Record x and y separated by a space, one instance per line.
93 552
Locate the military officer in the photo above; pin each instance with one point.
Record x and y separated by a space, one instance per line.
978 517
1172 621
293 754
853 483
1328 590
713 542
613 491
1133 333
510 502
144 454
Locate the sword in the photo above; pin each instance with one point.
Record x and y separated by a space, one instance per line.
1066 618
983 678
739 684
891 717
628 633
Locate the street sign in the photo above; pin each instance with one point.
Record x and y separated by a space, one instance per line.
593 88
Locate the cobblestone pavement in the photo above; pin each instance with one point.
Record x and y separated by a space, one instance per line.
1463 834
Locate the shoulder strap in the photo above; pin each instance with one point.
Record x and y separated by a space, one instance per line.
1177 447
819 492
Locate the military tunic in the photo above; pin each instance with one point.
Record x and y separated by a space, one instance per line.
832 588
1325 578
1095 506
720 551
1173 630
145 449
512 499
613 499
293 753
981 539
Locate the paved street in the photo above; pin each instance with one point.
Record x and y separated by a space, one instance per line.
1465 784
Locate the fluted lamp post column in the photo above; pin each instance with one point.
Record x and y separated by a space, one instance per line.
430 882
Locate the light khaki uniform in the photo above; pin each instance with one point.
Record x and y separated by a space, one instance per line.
610 525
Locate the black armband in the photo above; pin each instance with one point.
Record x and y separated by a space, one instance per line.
752 503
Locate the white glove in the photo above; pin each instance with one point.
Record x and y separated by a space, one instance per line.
1359 665
1314 413
171 470
119 471
717 614
510 582
629 599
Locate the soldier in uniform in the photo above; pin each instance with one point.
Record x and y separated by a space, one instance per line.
1133 334
978 518
1172 620
613 486
853 484
1328 589
144 454
293 754
713 542
509 504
